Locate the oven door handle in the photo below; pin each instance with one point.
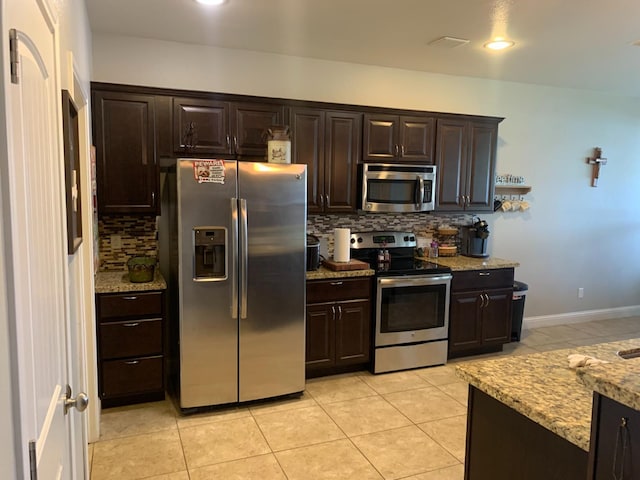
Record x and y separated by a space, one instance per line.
419 192
409 281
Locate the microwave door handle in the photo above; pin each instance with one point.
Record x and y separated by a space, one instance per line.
419 192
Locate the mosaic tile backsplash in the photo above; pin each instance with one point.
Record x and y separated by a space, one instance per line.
138 236
420 223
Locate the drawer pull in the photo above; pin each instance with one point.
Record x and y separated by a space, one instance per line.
335 284
484 274
130 298
135 324
132 362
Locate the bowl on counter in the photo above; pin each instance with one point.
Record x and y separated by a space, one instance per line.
141 269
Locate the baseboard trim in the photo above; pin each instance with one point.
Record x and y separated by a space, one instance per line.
579 317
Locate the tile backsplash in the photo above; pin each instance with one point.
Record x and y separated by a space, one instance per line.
138 236
424 223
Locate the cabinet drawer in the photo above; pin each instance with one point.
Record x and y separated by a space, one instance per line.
131 338
123 377
337 289
482 279
130 304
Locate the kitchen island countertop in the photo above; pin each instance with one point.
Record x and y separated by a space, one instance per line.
542 387
115 282
460 262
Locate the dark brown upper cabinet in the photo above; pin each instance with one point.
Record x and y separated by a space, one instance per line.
393 138
328 142
124 135
466 158
214 127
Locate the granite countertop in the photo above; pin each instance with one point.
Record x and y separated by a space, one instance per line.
114 282
620 381
542 387
324 272
460 262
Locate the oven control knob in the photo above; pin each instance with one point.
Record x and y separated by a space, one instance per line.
353 240
412 238
359 239
406 238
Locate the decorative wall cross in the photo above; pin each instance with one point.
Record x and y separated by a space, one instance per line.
596 161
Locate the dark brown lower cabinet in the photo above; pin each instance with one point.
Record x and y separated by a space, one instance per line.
615 441
480 311
503 444
130 347
338 325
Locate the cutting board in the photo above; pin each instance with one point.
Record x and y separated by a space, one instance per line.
352 264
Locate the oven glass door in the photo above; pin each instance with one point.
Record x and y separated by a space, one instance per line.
412 309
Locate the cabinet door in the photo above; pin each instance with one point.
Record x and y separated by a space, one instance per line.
465 328
416 139
201 127
451 159
380 137
496 316
307 146
481 166
341 152
320 344
127 172
352 332
250 123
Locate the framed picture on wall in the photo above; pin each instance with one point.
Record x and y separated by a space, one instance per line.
72 172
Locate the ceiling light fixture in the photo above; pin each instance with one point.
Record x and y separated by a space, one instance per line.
211 2
499 44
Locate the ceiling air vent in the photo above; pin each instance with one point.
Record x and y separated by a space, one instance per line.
448 42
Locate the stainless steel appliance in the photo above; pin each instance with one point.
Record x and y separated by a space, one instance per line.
313 252
397 188
474 239
233 235
411 302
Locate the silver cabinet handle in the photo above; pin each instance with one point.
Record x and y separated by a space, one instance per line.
486 296
228 140
129 298
235 143
339 312
484 274
402 151
132 362
131 324
482 300
397 149
333 312
326 198
334 284
244 258
234 256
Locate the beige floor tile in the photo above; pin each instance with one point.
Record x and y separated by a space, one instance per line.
170 476
440 375
138 456
262 467
425 404
450 473
218 415
458 390
450 433
517 349
304 401
393 382
402 452
297 428
137 419
534 338
553 346
366 415
222 442
90 456
339 389
563 333
337 460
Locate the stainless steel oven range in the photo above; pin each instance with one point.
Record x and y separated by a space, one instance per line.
411 302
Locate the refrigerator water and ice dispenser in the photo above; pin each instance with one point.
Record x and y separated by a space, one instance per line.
209 256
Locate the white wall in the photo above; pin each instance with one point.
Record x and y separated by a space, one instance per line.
573 235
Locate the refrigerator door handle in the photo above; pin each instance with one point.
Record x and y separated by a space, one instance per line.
244 258
234 256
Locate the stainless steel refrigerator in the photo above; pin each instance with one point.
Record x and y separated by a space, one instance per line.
239 233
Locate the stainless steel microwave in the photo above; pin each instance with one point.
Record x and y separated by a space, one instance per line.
386 187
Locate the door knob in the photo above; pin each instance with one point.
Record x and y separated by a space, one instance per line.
80 402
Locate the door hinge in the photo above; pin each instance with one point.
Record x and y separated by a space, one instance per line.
13 55
33 463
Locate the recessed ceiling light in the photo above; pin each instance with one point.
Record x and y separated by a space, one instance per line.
211 2
499 44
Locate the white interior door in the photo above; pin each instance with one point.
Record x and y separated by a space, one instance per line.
36 248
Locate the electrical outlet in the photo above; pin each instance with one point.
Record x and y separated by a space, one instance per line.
580 292
116 242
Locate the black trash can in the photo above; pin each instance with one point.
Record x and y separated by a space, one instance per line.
517 309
